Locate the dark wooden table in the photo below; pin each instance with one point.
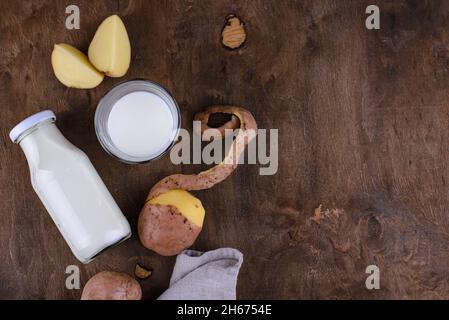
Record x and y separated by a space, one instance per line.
363 142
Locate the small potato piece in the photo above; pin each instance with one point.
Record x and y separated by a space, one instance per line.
142 272
109 285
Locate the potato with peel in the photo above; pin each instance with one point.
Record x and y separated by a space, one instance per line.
110 50
172 217
171 222
109 285
73 69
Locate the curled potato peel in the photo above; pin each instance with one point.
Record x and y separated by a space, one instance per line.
165 228
207 179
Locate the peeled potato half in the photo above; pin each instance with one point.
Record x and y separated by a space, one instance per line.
110 50
73 69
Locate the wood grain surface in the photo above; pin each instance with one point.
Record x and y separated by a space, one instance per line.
363 142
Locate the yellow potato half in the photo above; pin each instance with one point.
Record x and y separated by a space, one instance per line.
110 50
73 69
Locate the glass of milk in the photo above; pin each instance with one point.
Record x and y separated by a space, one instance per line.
70 188
137 121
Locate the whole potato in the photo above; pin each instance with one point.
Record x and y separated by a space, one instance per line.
109 285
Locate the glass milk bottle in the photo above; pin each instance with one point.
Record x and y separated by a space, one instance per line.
70 188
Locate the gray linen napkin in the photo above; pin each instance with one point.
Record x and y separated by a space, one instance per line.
205 276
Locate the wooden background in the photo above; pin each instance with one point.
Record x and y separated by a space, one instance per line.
363 138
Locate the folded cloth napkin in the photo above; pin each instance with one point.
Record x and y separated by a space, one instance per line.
210 275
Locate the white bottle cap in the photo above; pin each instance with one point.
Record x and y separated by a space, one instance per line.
30 122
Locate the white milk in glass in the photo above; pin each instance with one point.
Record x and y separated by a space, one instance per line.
70 188
137 121
140 124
